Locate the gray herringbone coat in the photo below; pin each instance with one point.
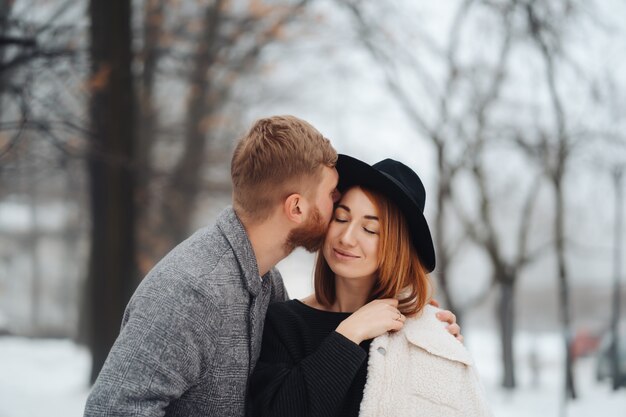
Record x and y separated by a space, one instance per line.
191 333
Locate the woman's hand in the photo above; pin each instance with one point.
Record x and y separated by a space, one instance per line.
373 319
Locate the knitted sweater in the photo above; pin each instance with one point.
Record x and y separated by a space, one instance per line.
191 333
305 367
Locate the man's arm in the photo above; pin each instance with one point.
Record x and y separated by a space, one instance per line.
160 353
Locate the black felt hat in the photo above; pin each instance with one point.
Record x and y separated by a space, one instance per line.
401 185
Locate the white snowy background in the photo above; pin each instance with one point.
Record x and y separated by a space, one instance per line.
347 100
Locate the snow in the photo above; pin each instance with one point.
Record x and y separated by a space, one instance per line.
42 377
50 378
546 397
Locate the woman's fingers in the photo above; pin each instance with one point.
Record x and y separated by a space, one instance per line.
397 324
389 301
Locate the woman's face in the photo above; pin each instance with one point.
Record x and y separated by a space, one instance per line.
351 245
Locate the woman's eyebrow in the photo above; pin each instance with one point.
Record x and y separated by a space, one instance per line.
368 216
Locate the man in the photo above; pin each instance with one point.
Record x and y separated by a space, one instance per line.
191 333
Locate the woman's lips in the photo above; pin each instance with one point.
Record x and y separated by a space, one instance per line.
343 255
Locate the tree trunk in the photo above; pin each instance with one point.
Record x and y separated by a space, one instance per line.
557 174
147 250
564 305
506 319
153 21
617 259
443 193
33 243
5 12
181 194
112 266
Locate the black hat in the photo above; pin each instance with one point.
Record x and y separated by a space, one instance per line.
401 185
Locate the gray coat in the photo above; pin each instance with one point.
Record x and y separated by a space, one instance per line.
191 333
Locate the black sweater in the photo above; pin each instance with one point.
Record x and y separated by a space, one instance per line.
306 369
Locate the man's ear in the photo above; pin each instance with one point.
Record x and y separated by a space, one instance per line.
295 207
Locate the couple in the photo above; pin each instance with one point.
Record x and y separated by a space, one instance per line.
193 343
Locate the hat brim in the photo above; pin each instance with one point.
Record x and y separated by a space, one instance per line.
353 172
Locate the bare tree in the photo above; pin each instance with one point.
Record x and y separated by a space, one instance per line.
220 49
506 268
553 148
147 127
482 228
112 270
469 128
28 50
37 128
441 130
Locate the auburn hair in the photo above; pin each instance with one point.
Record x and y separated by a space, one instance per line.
400 274
279 156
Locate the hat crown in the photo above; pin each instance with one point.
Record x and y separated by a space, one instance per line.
404 177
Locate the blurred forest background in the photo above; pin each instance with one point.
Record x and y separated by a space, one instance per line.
118 119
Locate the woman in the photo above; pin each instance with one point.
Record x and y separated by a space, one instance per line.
371 274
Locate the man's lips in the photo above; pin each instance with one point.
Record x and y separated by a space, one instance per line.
344 255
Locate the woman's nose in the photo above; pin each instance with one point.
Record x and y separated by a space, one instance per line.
347 237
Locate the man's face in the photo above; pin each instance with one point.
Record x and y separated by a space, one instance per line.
310 235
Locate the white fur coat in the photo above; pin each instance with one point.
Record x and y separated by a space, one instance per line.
422 370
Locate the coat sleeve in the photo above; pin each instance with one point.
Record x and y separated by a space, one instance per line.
285 384
166 341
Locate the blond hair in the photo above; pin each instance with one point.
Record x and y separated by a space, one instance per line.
279 156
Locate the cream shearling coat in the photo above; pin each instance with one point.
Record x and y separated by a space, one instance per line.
422 370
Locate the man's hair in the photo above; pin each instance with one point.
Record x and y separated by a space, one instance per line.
400 273
279 156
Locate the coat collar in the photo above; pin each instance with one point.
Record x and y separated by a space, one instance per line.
427 332
260 290
236 235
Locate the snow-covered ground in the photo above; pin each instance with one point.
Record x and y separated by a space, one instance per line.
540 387
42 378
50 378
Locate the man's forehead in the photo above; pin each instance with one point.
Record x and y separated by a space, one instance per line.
330 176
335 176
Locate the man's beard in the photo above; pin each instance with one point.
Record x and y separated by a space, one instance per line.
310 235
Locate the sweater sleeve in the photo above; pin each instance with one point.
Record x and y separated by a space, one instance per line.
286 383
167 340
